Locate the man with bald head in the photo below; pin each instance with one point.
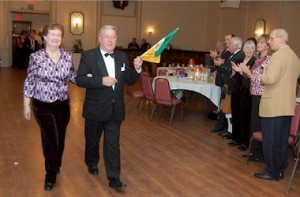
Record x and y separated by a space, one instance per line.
221 57
277 105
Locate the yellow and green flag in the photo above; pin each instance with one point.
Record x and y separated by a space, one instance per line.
153 54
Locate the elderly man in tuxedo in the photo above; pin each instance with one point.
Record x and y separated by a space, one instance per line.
103 72
277 105
230 81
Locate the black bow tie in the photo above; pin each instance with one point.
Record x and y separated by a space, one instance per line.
111 55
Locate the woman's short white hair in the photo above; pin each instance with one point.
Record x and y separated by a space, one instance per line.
105 27
249 43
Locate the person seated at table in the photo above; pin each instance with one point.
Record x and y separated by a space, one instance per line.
241 101
133 44
162 72
145 45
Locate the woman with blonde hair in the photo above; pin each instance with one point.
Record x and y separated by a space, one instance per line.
256 89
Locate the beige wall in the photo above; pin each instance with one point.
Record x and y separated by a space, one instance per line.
190 17
201 23
63 10
241 21
126 21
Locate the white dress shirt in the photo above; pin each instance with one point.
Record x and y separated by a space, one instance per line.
110 64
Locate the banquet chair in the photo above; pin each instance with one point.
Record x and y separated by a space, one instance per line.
146 82
163 96
296 165
297 90
136 94
293 137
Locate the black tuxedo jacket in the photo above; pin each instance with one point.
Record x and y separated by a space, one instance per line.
104 103
240 84
225 70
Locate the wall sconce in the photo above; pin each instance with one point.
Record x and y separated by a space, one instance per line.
76 23
150 30
260 27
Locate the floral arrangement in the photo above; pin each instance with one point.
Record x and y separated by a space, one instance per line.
77 46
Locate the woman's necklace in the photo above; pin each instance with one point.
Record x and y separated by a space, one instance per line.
54 56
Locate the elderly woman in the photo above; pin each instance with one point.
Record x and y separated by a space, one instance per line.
256 90
46 84
241 101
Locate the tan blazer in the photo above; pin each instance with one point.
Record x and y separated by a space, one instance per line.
279 80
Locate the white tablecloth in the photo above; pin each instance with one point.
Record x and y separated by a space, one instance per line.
169 69
211 91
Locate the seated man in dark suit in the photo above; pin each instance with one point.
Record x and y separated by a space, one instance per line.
133 44
145 45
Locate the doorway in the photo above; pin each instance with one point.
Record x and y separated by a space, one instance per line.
29 21
18 52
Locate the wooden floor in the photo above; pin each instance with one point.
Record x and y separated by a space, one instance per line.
184 159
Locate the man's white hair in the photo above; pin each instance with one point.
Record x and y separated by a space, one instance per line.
237 41
281 33
105 27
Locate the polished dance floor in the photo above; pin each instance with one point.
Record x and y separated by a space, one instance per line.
183 159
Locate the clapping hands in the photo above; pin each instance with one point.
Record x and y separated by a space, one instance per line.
218 61
236 67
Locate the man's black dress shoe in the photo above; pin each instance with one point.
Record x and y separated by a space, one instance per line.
242 147
93 170
222 133
265 177
227 135
48 186
233 143
117 184
217 129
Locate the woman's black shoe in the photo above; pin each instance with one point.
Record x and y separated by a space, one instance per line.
48 186
242 147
